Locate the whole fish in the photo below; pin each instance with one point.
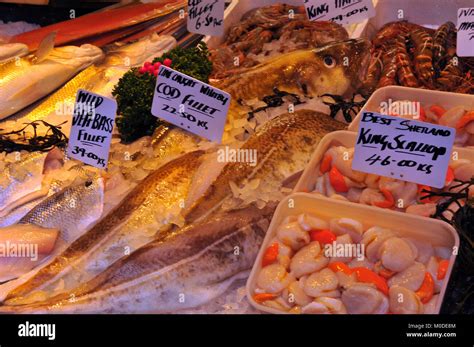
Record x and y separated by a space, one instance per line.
24 176
195 263
24 82
336 68
49 186
99 78
131 224
70 211
10 51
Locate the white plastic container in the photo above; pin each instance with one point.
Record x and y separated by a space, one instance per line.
308 179
424 96
238 8
439 234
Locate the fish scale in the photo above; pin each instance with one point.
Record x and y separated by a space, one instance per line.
197 260
124 226
22 83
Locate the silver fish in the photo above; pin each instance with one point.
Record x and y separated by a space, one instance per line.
70 211
189 266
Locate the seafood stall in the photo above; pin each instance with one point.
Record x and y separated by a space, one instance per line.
314 158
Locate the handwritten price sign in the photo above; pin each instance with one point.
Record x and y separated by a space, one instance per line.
190 104
91 131
206 17
465 37
340 11
403 149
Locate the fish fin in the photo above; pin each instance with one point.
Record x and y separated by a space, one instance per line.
44 48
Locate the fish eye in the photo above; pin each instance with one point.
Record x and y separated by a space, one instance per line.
329 61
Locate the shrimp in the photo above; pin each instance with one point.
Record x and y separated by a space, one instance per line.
423 55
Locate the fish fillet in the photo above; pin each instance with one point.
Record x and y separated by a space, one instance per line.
193 264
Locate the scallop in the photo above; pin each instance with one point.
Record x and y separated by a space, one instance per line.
321 283
308 222
371 195
403 192
353 194
464 172
327 185
364 299
315 308
373 239
297 295
372 181
342 226
424 210
451 117
295 310
334 306
273 278
319 186
345 281
343 240
404 301
308 260
292 235
432 268
470 128
397 254
361 263
276 304
430 307
410 278
342 160
425 249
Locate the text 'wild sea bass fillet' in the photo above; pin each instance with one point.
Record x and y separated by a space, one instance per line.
23 82
148 208
198 260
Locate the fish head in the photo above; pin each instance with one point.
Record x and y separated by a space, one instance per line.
337 68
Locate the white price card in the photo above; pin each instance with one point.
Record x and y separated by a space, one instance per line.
190 104
92 124
340 11
403 149
206 17
465 37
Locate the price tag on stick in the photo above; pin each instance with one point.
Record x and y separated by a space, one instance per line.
403 149
190 104
91 131
465 36
206 17
340 11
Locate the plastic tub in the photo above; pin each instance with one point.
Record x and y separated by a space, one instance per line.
437 232
424 96
347 139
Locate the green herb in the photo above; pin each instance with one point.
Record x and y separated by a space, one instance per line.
134 91
193 61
